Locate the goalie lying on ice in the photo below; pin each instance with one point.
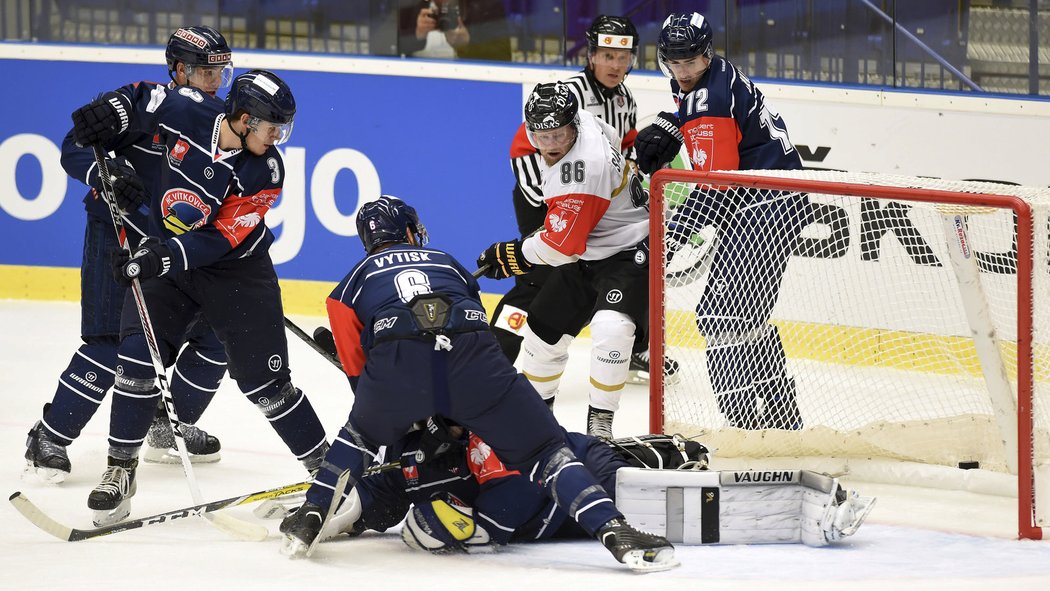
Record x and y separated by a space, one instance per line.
458 496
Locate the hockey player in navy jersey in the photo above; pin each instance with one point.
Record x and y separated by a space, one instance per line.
413 338
199 57
726 124
590 233
207 256
612 50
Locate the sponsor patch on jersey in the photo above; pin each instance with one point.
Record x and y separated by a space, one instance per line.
411 474
158 144
484 464
183 211
512 319
178 152
560 222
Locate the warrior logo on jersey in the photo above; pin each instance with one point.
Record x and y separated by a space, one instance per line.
183 210
178 152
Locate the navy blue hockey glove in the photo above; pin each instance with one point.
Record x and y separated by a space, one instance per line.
152 258
128 191
659 143
503 260
102 119
439 447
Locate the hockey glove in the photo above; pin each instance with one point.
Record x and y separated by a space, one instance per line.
503 260
659 143
439 448
639 194
152 258
102 119
443 525
128 191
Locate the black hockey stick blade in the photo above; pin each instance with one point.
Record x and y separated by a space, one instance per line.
70 534
294 328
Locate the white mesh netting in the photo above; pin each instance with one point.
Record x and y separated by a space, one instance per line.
839 325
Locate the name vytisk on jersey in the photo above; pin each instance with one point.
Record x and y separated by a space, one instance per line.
400 257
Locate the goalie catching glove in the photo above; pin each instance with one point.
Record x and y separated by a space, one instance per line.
443 525
151 259
503 260
658 144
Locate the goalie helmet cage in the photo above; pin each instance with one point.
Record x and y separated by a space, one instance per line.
911 327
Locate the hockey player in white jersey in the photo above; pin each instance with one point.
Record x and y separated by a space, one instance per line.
612 50
590 233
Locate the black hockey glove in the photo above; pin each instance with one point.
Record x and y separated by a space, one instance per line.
128 191
639 194
152 258
503 260
102 119
440 449
659 143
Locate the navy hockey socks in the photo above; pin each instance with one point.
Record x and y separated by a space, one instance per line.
81 389
572 486
194 381
290 414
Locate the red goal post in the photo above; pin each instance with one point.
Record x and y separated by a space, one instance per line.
906 316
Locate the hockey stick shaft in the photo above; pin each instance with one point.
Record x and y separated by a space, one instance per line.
241 529
291 326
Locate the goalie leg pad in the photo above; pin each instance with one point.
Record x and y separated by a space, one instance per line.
444 525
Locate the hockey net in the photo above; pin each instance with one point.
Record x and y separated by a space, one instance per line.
912 323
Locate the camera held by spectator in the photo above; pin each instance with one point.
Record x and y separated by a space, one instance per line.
446 15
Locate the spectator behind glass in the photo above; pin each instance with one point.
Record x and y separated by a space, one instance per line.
467 29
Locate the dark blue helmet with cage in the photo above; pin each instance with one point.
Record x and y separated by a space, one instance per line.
265 97
199 46
386 220
685 35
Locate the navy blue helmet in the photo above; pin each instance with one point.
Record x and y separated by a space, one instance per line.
197 46
550 106
261 94
385 220
685 35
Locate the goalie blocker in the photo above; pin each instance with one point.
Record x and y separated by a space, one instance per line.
740 507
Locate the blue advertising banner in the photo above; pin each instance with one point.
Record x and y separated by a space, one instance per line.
442 145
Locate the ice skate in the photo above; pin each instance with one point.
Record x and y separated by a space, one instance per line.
639 369
300 529
599 423
111 499
639 550
46 459
160 443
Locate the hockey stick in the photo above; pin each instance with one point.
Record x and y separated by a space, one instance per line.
71 534
312 343
234 527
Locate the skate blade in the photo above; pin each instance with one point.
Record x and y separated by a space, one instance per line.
651 561
638 378
293 547
156 455
106 517
42 475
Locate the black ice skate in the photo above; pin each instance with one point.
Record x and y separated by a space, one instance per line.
111 499
639 550
45 458
639 372
160 443
599 423
300 529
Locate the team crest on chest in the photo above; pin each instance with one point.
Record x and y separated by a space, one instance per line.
183 210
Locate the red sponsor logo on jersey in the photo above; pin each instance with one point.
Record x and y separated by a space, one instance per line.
411 474
178 151
157 143
483 463
559 225
516 320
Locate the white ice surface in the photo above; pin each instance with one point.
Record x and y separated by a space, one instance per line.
36 340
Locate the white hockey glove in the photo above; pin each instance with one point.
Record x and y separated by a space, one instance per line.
445 525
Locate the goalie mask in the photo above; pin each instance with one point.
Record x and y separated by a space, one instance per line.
551 115
269 102
199 47
684 36
386 220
